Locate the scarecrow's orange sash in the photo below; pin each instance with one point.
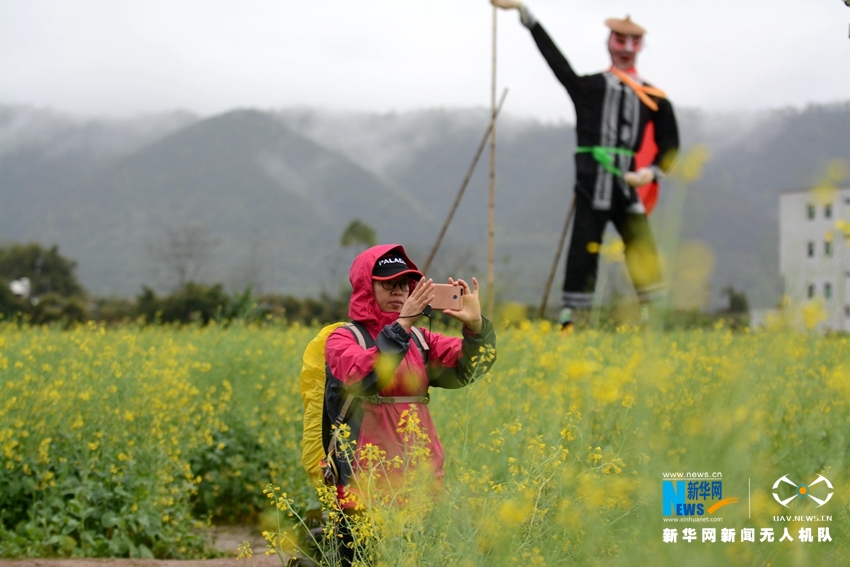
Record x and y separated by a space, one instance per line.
642 91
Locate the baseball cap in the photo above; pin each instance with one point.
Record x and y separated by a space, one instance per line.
393 265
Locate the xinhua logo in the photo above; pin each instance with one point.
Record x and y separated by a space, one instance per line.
693 497
802 490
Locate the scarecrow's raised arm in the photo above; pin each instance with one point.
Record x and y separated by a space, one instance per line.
553 56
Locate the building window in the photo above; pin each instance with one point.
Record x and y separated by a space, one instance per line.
827 290
827 248
827 211
811 249
811 291
847 310
810 211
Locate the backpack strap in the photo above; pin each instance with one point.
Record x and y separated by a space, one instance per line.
360 333
420 341
344 410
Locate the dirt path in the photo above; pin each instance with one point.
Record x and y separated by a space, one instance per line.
224 539
256 561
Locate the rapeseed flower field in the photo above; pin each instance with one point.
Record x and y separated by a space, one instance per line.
130 441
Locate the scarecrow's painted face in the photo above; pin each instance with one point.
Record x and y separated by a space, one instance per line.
624 49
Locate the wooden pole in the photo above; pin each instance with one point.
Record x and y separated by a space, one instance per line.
542 311
464 184
491 216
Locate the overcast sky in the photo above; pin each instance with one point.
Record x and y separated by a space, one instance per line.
122 57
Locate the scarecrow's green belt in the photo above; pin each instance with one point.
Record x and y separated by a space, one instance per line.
604 156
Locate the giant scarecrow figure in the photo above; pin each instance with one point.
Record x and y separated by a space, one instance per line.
626 139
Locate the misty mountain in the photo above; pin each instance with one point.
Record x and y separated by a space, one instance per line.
263 193
274 191
44 155
71 147
732 208
428 153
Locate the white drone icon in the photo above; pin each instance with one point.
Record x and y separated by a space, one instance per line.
802 490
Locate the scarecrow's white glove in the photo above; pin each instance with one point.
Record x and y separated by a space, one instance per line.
507 4
524 13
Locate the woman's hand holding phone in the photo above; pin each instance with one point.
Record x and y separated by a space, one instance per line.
470 313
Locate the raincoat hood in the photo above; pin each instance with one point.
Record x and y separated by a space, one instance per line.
363 307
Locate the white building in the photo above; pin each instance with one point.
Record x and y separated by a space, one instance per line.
814 250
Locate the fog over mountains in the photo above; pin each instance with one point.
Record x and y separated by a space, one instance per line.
274 191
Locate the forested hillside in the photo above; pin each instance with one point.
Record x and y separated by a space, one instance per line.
273 191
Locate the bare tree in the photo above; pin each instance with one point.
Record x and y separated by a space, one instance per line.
256 267
184 254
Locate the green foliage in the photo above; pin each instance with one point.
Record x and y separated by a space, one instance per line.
10 304
611 318
47 309
91 462
114 309
47 270
358 233
738 302
674 320
120 441
198 303
91 511
556 457
307 311
52 308
55 293
194 303
231 469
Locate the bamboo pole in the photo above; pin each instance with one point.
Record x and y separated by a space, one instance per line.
491 216
542 311
464 184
